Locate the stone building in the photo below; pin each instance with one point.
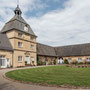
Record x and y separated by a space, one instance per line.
18 47
17 43
73 53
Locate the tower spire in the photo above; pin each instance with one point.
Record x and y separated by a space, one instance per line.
17 3
17 11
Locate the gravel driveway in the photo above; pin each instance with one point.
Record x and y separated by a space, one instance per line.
10 85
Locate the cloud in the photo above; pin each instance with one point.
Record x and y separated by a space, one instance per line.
7 7
69 25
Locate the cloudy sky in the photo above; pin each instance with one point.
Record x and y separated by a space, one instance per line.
55 22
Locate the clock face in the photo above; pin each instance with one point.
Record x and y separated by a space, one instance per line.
25 28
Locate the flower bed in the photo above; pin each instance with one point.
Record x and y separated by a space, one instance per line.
78 66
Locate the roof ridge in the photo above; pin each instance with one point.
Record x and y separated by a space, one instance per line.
72 45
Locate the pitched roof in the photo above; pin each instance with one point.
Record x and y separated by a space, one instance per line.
64 51
17 23
45 50
5 43
73 50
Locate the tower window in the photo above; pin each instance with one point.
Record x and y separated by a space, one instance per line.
19 44
26 28
20 35
32 37
32 47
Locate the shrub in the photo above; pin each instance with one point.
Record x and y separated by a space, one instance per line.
80 63
50 63
43 63
25 62
39 63
33 62
66 61
75 62
87 62
54 62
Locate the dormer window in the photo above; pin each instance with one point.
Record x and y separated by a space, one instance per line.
25 28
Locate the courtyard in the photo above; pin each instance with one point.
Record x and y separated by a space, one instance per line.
53 76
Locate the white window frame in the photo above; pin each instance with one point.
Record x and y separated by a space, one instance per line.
32 58
69 59
20 44
32 46
20 58
79 59
2 57
88 59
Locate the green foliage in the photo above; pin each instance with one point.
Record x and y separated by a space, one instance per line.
33 62
66 61
87 62
37 58
25 62
54 62
41 63
80 63
50 63
74 62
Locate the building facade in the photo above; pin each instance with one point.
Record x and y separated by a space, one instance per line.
18 47
72 53
22 41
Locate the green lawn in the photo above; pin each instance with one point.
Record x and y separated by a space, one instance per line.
54 75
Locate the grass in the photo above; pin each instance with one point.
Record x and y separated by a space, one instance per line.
54 75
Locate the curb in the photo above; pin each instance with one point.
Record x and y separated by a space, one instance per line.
30 83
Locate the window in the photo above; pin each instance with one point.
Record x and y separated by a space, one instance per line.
69 59
26 28
32 37
32 47
32 58
88 59
79 59
20 35
19 44
19 58
2 60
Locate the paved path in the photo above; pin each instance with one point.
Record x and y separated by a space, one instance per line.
10 85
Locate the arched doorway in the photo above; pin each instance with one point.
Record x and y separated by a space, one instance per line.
60 60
